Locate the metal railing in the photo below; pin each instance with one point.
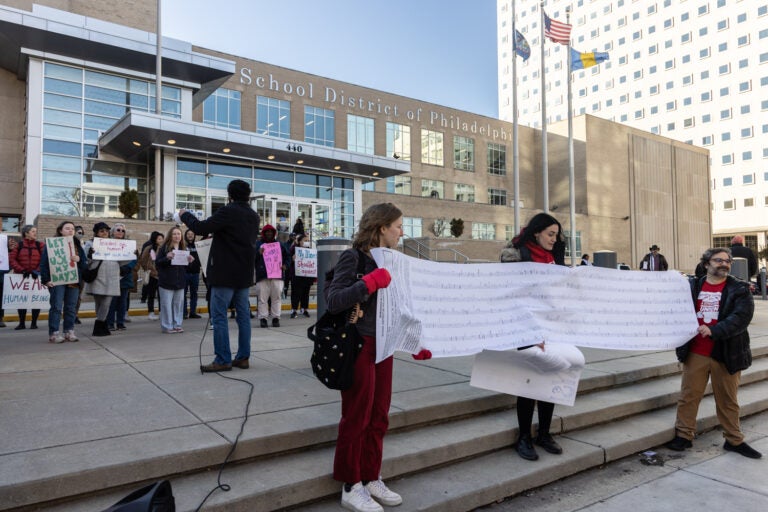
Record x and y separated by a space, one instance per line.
413 247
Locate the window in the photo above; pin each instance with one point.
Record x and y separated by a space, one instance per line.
685 38
483 231
727 182
725 136
431 147
433 188
722 24
11 223
222 109
746 156
724 69
728 205
360 134
745 86
706 140
567 235
706 118
706 96
703 9
273 117
727 159
412 227
319 126
688 122
749 201
399 141
746 132
704 53
497 159
497 196
464 153
671 105
399 185
464 193
748 179
743 40
654 90
725 114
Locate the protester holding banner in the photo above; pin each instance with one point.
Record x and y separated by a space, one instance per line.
7 245
300 284
147 263
365 406
541 241
107 282
118 307
172 260
25 260
64 286
192 282
271 258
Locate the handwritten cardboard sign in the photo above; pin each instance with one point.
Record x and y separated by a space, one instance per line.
4 262
20 293
273 260
305 264
61 251
113 249
180 258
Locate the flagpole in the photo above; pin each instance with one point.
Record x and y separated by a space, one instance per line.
544 162
571 170
515 145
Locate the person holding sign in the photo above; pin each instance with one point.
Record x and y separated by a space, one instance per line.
25 260
271 258
300 283
119 306
61 268
541 241
106 285
171 262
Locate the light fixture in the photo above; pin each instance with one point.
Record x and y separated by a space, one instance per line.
299 162
171 141
137 143
226 150
375 173
336 167
271 157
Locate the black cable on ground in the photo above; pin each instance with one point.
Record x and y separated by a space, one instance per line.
219 485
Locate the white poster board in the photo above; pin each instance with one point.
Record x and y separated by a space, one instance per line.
4 261
20 293
203 251
305 264
180 258
460 309
63 269
112 249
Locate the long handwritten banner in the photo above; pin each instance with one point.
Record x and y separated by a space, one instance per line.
61 251
114 249
20 293
460 309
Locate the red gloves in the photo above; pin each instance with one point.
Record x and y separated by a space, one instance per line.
423 355
379 278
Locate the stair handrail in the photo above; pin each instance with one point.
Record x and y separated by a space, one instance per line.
425 252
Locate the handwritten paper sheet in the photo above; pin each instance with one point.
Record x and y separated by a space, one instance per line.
113 249
460 309
551 375
20 293
63 269
305 264
180 258
4 261
203 251
273 260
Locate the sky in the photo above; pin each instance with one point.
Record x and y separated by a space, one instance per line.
437 51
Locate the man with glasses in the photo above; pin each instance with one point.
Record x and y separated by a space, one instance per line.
720 351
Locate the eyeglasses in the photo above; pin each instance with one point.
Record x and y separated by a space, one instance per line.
720 261
119 231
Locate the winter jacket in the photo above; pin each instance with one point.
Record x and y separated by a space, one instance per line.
235 229
170 277
147 263
729 334
261 267
107 280
347 289
27 256
194 267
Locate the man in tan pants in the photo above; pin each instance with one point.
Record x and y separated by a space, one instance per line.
720 350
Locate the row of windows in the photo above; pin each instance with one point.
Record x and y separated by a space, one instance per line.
435 189
746 179
222 109
748 202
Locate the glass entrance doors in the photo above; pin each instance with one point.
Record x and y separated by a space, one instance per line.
316 217
282 213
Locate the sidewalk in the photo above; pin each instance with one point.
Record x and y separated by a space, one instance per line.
77 407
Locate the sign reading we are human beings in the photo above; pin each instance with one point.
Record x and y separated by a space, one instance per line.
21 293
61 252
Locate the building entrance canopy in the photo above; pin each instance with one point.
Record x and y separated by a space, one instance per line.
136 133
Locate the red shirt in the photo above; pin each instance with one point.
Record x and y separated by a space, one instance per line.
707 308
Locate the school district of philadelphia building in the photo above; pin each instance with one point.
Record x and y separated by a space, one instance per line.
78 126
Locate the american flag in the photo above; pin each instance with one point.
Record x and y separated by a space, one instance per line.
558 32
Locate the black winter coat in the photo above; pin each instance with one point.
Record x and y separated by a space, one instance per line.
347 289
235 229
169 277
730 336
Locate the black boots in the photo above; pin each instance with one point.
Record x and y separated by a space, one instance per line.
525 447
100 328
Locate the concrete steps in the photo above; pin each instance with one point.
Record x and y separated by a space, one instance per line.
449 450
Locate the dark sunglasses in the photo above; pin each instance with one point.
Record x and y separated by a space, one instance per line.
119 231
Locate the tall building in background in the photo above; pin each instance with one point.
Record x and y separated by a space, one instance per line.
691 70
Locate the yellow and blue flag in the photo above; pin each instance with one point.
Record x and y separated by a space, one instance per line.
522 48
586 60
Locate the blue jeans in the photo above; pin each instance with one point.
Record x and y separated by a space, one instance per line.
171 308
63 298
190 288
220 298
117 308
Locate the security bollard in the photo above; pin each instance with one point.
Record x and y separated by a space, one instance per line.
328 251
762 283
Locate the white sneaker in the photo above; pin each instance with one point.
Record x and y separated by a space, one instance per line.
152 316
70 336
383 495
56 337
358 499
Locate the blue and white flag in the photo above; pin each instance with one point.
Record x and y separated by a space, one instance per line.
522 48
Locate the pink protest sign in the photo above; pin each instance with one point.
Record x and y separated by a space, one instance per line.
273 260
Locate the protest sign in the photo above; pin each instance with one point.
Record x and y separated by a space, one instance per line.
203 251
4 263
305 264
273 260
180 257
113 249
61 251
20 293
